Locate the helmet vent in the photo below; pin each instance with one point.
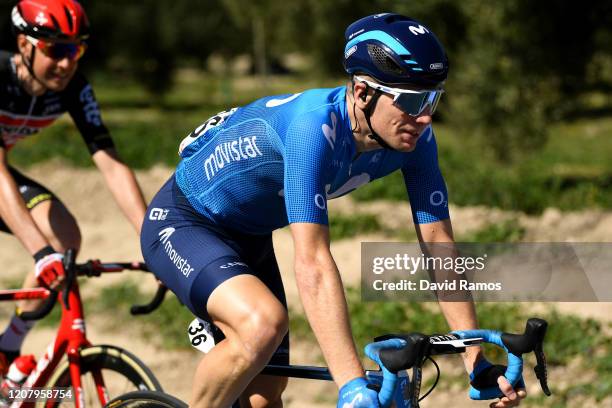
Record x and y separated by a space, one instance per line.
56 23
68 17
383 60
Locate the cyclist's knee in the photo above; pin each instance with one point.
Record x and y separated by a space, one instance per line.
260 333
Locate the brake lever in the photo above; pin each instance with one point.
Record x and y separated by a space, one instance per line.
69 259
540 368
415 384
532 340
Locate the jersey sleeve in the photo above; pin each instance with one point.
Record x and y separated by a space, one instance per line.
424 182
307 158
85 112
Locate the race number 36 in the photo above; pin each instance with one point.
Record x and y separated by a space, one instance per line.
210 123
200 335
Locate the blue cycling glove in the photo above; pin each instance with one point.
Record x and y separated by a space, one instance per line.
484 378
372 350
356 394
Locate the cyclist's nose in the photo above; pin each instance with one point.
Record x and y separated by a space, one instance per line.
65 63
424 118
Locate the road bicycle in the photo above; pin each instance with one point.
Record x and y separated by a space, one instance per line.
399 387
91 374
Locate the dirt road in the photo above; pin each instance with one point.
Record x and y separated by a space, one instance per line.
108 236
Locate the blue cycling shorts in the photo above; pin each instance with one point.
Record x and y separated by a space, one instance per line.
192 256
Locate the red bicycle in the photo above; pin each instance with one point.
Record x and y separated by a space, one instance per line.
91 375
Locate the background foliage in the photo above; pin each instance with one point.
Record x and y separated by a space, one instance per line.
528 93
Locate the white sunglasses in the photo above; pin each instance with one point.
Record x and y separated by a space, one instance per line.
409 101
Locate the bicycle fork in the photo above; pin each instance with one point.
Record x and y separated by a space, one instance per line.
74 324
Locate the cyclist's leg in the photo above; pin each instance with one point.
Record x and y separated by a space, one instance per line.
202 266
264 390
60 229
50 215
53 219
254 323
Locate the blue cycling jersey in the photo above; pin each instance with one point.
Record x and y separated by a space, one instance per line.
279 159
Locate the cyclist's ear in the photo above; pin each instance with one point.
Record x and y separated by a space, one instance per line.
360 91
22 44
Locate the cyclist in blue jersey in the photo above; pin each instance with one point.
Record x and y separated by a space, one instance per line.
38 84
275 162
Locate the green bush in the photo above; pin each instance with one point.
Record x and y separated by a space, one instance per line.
570 172
506 231
347 226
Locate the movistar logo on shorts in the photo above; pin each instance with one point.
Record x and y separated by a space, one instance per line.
242 149
181 263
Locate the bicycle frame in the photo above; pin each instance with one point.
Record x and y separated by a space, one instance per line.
71 336
322 373
396 385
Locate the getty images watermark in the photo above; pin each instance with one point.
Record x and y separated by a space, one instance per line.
487 272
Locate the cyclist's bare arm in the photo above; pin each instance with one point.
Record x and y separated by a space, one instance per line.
462 315
14 212
322 295
122 183
459 315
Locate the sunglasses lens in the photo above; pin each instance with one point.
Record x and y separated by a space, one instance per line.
414 103
433 101
60 51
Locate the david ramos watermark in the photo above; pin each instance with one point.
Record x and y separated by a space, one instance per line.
486 272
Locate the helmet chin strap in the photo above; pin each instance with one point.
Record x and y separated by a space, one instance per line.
29 64
369 109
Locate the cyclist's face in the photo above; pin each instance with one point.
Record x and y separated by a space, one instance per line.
54 74
400 130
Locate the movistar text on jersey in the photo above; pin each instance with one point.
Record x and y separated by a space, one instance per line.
412 264
235 150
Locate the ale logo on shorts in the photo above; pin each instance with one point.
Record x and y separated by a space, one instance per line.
158 214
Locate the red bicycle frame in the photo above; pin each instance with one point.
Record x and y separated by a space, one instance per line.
71 336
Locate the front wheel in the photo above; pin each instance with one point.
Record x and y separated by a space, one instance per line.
146 399
121 371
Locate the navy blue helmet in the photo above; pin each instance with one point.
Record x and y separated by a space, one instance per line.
395 50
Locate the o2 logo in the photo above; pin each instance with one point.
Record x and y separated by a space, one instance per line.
437 199
320 202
